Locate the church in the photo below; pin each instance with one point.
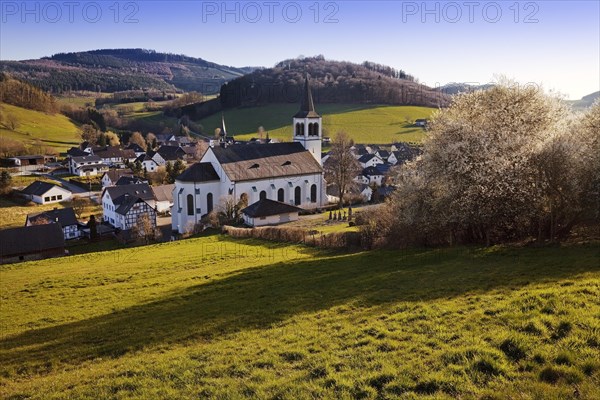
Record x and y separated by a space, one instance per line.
289 173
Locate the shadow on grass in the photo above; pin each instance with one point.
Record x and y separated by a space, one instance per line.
259 297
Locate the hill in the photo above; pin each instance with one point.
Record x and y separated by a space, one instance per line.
216 318
332 82
35 128
458 87
112 70
585 101
374 124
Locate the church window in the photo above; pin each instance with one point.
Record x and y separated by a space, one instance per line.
209 202
190 204
263 195
298 196
313 193
281 195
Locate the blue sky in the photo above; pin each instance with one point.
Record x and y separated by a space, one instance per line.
553 43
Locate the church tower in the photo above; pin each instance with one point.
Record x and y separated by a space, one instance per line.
308 124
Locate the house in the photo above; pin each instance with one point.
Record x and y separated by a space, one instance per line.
384 192
164 138
392 159
421 123
359 150
269 212
45 193
404 152
164 197
118 201
114 155
171 154
130 210
383 154
87 165
111 177
288 173
136 148
370 176
147 161
28 163
34 242
65 217
369 160
355 192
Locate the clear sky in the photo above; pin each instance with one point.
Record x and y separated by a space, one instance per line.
553 43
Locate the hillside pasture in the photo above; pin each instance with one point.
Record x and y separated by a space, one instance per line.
214 317
364 123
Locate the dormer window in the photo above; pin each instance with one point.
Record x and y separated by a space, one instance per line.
286 163
254 166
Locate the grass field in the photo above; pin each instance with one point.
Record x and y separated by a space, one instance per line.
13 213
365 124
53 130
216 318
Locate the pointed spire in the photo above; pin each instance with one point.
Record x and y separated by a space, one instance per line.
307 107
223 130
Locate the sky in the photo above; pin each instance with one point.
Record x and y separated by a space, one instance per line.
555 44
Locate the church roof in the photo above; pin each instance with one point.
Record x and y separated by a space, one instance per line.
245 163
307 107
199 172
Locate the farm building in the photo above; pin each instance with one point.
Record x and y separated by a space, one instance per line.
269 212
45 193
28 243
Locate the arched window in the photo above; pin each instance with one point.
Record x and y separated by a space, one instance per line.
190 204
298 196
313 194
310 129
316 129
209 202
298 130
263 195
302 129
281 195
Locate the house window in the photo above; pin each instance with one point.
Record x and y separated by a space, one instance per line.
209 202
298 196
313 194
190 204
46 198
59 197
281 195
263 195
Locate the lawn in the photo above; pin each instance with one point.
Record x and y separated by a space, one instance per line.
365 124
214 317
13 212
53 130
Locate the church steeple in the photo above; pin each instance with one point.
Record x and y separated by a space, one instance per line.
307 107
308 123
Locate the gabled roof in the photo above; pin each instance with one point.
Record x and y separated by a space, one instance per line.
199 172
170 153
383 153
63 216
39 188
129 180
31 239
243 162
126 203
307 107
76 152
163 192
366 158
135 147
371 171
113 152
141 190
266 208
115 174
85 159
383 168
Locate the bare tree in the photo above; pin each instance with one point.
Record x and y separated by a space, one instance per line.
137 138
12 122
341 167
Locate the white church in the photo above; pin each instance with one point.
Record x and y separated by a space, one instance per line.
289 173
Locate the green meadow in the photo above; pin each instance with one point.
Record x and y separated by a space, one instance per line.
213 317
364 123
52 130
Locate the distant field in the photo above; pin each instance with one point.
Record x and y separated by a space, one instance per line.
53 130
219 318
365 124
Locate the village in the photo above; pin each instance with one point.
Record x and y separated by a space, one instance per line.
262 181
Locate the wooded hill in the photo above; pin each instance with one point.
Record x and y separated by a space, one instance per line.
113 70
331 82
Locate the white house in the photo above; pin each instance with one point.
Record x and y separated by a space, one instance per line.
65 217
118 201
369 176
269 212
289 173
87 165
45 193
370 160
114 155
111 177
148 163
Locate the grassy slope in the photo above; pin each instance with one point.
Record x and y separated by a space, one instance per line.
217 318
13 214
54 130
365 124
